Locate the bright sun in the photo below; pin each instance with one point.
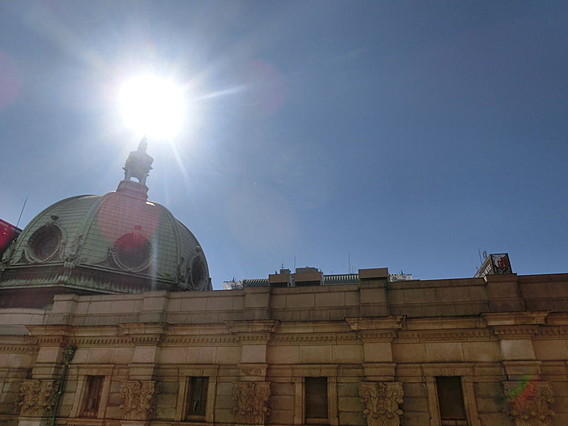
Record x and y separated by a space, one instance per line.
153 106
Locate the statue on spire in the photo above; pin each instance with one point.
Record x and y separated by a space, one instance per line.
138 164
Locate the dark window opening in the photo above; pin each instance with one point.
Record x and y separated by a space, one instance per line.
196 398
316 400
45 242
92 397
133 250
450 399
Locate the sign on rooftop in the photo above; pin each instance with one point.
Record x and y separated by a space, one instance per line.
495 264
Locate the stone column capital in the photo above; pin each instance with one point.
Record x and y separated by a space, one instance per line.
37 397
529 402
138 397
252 402
381 402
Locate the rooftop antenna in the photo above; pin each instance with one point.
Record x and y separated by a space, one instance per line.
349 262
21 212
294 263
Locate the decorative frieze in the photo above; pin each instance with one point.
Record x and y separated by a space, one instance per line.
252 402
199 340
18 349
146 339
460 335
138 399
381 402
529 403
300 338
559 332
516 331
37 397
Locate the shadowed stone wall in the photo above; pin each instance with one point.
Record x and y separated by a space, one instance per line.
380 345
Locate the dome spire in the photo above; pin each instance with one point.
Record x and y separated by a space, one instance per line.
138 164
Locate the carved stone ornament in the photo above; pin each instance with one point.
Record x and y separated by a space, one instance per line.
37 397
137 399
252 401
529 403
380 401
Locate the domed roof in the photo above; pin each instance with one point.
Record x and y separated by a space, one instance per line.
117 242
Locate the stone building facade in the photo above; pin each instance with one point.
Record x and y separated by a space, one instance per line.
107 318
476 351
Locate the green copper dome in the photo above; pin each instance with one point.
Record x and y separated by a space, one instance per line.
115 243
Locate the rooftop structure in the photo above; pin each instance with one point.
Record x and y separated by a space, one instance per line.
119 242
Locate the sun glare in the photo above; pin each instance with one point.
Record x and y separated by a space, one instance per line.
153 106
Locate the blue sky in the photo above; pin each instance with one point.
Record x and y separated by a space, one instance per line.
406 134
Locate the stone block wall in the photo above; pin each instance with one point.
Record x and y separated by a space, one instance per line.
378 345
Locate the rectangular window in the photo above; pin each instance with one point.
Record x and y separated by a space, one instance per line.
196 404
92 398
450 400
316 400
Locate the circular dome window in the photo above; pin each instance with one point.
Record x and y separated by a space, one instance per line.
197 271
132 251
45 242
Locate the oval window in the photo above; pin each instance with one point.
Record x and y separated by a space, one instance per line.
132 251
45 242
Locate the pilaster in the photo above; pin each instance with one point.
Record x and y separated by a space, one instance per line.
515 332
39 395
504 294
380 394
528 398
138 392
251 395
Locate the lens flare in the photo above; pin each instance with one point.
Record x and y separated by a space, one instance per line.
153 106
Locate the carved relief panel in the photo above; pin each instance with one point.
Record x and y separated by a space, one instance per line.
37 397
252 402
381 402
529 403
138 399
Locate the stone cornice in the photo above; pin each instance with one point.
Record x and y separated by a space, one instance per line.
256 332
146 339
516 331
560 332
199 340
377 323
377 335
52 340
42 330
252 327
475 334
18 349
100 340
142 334
444 323
327 338
515 318
141 329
